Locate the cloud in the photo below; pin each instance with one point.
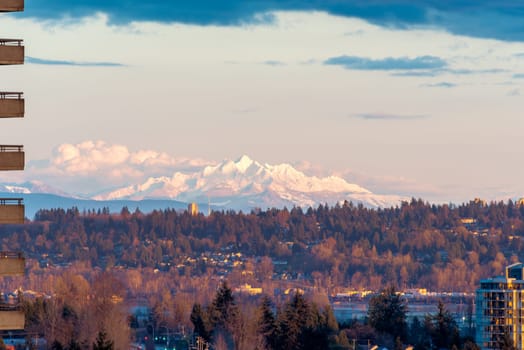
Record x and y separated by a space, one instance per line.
386 116
355 33
35 60
88 157
245 110
92 156
514 92
274 63
95 165
481 18
392 185
417 73
388 63
475 71
443 84
442 71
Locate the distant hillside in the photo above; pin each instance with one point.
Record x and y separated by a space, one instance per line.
440 247
36 201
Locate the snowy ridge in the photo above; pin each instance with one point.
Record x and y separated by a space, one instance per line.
31 187
246 184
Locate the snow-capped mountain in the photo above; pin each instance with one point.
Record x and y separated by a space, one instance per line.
245 184
31 187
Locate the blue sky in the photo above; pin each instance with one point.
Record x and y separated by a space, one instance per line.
478 18
418 98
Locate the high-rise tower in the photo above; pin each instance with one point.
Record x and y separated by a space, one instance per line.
500 309
11 158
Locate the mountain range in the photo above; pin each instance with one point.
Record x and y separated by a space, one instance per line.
243 184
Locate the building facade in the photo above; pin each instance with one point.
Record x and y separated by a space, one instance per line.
192 208
499 309
12 157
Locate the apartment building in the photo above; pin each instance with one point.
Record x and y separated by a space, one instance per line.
12 157
499 310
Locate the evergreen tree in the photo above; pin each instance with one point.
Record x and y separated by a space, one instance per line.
223 310
418 335
291 323
73 345
267 325
56 345
302 326
315 335
387 314
102 342
224 314
200 322
442 328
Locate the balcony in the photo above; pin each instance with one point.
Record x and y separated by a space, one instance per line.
11 51
12 157
11 314
11 5
12 264
12 211
12 104
11 320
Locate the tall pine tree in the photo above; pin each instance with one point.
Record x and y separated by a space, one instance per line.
267 325
102 342
387 314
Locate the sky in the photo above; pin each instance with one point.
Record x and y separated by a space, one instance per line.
415 98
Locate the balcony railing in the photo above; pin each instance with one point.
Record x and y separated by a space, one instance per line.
11 5
12 104
11 313
12 211
12 157
11 51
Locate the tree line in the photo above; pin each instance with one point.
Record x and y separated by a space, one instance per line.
413 244
81 313
299 323
82 316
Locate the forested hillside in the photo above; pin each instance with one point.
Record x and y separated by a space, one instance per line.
443 247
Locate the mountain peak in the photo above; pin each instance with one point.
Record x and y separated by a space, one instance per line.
242 183
243 163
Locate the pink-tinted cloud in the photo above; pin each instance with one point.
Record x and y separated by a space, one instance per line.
90 166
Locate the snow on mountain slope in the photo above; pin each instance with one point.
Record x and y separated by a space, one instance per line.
245 184
32 187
